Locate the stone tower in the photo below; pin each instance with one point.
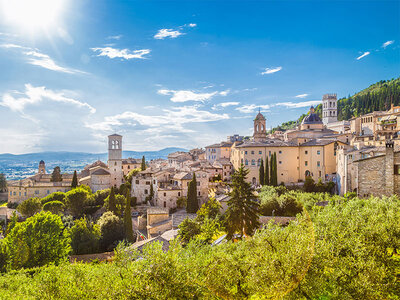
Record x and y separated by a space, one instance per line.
329 108
42 167
115 159
260 133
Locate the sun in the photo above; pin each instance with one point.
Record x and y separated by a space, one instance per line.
32 14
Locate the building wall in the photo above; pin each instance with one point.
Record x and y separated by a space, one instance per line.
17 194
168 198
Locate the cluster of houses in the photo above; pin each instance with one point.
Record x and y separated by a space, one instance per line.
359 155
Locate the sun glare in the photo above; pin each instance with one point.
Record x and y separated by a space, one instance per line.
32 14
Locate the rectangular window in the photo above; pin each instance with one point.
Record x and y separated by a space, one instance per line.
245 152
146 192
280 162
165 194
269 153
319 173
252 152
397 169
280 152
137 181
318 152
260 152
318 164
147 182
306 152
306 163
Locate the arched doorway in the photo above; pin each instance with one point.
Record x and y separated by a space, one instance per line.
308 173
254 181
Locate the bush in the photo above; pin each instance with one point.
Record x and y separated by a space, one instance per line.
12 205
29 207
120 202
77 199
57 196
112 230
100 196
188 229
309 185
38 241
85 237
55 207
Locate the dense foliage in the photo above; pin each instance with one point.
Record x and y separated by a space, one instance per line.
56 176
346 250
192 201
85 237
378 96
3 183
29 207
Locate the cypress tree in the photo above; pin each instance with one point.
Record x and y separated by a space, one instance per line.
112 206
143 166
261 173
242 213
266 174
74 183
56 175
192 204
271 172
275 174
128 219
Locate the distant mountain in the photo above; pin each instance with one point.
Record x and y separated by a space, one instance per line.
378 96
17 166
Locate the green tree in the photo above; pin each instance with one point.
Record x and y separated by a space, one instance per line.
56 175
128 219
11 224
143 165
74 183
131 174
210 209
309 184
242 212
192 202
266 173
274 171
38 241
29 207
85 237
3 183
261 173
76 200
55 207
112 230
110 202
57 196
271 170
100 196
188 229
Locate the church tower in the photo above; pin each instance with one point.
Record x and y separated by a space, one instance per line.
42 167
329 108
260 132
115 159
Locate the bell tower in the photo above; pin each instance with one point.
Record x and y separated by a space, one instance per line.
329 108
42 167
260 132
115 159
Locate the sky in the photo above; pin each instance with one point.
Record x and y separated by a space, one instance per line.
179 73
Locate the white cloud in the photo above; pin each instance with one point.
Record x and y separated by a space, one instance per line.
192 25
167 33
250 108
34 95
363 55
115 37
301 96
171 120
121 53
299 104
224 104
271 70
40 59
44 61
385 44
187 95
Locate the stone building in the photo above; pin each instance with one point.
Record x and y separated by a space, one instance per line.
370 171
38 185
329 108
115 159
130 164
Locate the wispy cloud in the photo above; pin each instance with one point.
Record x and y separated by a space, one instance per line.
187 95
192 25
121 53
36 58
34 95
167 33
271 70
251 108
170 120
301 96
385 44
363 55
298 104
115 37
224 104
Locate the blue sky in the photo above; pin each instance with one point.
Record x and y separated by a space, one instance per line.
179 73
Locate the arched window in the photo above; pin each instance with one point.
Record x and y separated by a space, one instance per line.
257 128
116 144
259 162
254 180
262 127
246 162
112 144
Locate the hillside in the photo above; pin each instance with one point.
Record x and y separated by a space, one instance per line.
377 96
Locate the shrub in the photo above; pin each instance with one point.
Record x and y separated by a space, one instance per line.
38 241
12 205
112 230
29 207
55 207
309 185
120 202
100 196
57 196
85 237
188 229
76 200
